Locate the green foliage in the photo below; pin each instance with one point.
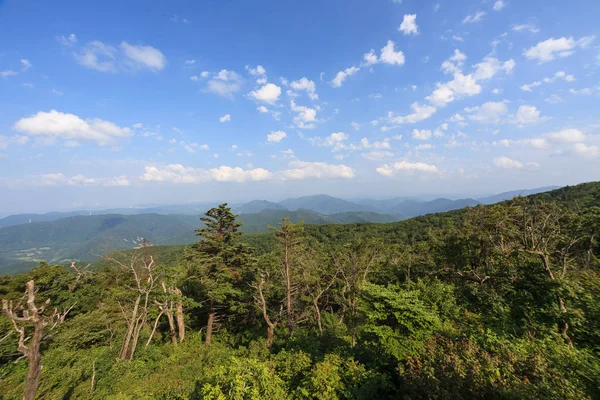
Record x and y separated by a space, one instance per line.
497 302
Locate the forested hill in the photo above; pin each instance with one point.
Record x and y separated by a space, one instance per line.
489 302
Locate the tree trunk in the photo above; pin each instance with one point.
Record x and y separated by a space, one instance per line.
172 327
270 325
179 317
154 328
288 293
209 326
318 314
35 362
132 322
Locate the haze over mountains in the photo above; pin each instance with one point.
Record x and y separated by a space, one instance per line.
58 237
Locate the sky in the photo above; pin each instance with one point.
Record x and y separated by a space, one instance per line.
119 103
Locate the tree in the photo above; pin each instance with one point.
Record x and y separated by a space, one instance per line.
33 315
134 294
289 237
218 263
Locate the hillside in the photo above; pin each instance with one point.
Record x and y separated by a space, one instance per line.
323 204
257 206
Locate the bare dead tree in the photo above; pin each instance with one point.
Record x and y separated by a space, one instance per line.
141 268
169 307
262 303
79 273
32 315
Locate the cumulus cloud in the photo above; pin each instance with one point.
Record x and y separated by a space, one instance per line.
60 179
177 173
551 49
420 113
316 170
225 118
409 25
276 137
422 134
588 151
341 76
455 63
566 136
389 56
25 64
509 163
269 93
7 73
6 141
526 115
488 113
406 167
225 84
305 84
259 73
377 155
305 116
58 125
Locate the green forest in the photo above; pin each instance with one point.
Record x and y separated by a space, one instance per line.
488 302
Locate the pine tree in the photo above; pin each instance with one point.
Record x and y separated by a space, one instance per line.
218 262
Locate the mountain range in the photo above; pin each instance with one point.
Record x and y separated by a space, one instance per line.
57 237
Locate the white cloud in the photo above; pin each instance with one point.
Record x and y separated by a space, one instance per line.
6 141
507 163
423 134
526 115
57 92
259 72
389 56
7 73
305 84
58 125
99 56
143 56
341 76
318 170
586 151
68 40
425 146
566 136
461 85
370 58
106 58
455 63
491 66
409 25
269 93
525 27
225 118
189 62
406 167
488 113
499 5
420 113
305 116
262 109
551 49
477 17
177 173
276 137
59 179
583 91
225 84
436 7
557 75
355 125
553 99
375 96
26 64
377 155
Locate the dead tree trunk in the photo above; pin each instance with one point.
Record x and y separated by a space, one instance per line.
179 316
35 316
209 325
263 306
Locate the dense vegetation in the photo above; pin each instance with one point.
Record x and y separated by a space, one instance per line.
497 301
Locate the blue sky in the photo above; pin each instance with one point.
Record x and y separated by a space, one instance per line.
117 103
